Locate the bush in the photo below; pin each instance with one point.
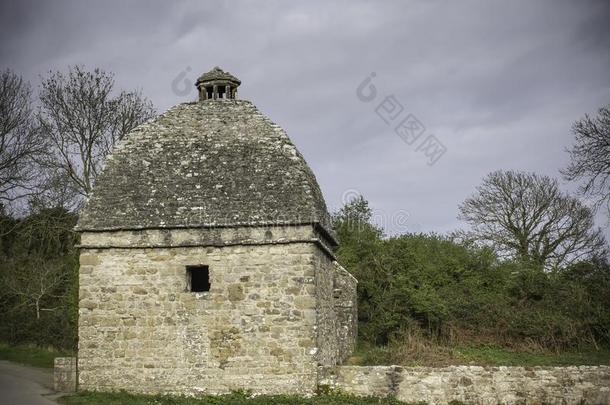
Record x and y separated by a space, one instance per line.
452 292
39 270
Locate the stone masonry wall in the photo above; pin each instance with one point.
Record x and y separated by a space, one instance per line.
326 324
336 310
140 330
473 384
64 374
346 309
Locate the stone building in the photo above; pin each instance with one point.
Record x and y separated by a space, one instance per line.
207 260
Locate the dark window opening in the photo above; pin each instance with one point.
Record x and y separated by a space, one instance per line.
209 90
198 278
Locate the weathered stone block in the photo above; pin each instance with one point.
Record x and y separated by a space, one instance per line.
236 292
89 259
64 374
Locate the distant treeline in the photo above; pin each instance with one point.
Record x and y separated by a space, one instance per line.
53 143
456 292
427 285
531 269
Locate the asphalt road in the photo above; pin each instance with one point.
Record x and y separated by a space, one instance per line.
21 385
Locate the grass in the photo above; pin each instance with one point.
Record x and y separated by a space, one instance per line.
120 398
29 355
418 353
482 354
497 356
428 355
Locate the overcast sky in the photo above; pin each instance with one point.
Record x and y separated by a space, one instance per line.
497 83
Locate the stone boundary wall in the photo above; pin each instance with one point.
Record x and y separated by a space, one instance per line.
473 384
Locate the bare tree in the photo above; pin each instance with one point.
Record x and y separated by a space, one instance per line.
590 158
526 216
55 190
20 142
83 121
35 284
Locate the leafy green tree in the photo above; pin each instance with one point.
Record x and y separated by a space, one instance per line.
446 290
358 241
403 282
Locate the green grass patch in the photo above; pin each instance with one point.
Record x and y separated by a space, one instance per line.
120 398
30 355
481 354
498 356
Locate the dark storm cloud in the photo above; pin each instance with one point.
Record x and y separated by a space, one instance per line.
499 83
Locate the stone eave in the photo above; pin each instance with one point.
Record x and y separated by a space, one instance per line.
328 235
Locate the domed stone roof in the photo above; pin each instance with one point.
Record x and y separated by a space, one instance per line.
213 163
217 74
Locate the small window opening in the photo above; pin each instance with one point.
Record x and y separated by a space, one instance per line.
221 92
209 90
198 278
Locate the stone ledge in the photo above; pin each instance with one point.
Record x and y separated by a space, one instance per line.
205 237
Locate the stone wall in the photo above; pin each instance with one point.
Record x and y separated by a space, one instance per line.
64 374
473 384
141 330
326 333
337 317
346 309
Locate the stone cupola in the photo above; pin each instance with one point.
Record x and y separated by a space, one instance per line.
217 84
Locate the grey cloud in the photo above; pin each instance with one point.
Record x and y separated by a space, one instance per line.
498 82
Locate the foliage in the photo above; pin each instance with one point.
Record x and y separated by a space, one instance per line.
590 157
119 398
30 355
39 272
451 292
426 352
494 355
